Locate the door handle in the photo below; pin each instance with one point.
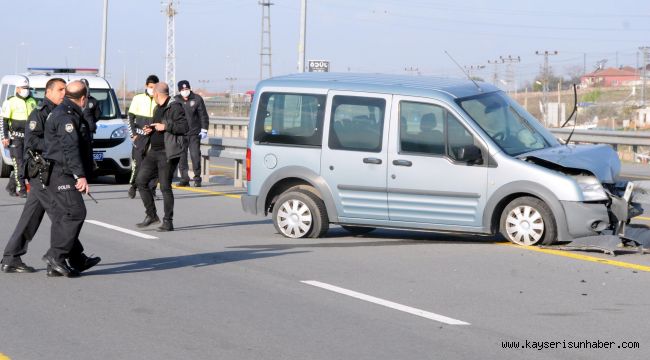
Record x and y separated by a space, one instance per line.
371 161
402 163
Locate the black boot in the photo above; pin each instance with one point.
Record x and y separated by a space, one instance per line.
197 182
82 262
148 220
166 226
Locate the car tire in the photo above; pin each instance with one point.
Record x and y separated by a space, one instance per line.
122 178
299 214
528 221
358 230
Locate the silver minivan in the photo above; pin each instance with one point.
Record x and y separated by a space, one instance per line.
370 151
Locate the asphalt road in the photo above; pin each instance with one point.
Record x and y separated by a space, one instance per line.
225 285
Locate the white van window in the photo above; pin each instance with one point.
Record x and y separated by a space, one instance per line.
506 123
422 128
104 97
431 130
357 123
3 93
292 119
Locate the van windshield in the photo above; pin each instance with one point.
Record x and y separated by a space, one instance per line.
105 98
508 124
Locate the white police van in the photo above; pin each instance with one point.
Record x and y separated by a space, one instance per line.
111 145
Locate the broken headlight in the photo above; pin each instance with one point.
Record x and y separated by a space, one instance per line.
592 189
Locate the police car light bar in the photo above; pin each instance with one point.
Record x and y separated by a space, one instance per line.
52 70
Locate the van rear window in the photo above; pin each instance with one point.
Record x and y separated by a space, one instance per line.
290 119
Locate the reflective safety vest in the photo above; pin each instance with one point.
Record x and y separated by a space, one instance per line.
16 108
142 105
15 111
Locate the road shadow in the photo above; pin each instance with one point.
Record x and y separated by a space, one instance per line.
194 260
222 225
378 238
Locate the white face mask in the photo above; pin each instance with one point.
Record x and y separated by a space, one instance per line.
23 93
185 93
149 92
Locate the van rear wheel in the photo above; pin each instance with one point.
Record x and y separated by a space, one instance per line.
528 221
299 214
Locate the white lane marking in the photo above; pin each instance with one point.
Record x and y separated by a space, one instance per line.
386 303
117 228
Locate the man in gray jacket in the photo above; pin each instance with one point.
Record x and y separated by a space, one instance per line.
165 133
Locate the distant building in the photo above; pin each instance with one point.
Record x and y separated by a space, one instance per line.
610 77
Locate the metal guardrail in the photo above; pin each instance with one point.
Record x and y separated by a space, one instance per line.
227 139
614 138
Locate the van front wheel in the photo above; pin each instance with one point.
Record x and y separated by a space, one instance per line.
528 221
299 214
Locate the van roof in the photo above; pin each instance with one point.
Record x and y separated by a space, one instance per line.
37 81
94 81
383 83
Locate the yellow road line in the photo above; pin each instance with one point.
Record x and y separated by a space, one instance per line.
203 191
575 256
642 218
4 357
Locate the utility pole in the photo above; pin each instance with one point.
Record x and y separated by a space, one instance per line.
232 92
644 49
472 68
102 54
495 76
545 79
265 47
510 71
170 59
303 34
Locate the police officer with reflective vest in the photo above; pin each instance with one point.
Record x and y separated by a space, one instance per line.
38 200
15 112
65 149
140 116
198 120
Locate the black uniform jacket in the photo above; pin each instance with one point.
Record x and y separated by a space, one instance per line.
64 139
197 115
171 114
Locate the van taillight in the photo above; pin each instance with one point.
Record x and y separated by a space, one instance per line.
248 164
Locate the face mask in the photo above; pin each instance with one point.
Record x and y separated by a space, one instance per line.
185 93
149 92
23 93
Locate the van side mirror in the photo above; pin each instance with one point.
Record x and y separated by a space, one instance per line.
471 154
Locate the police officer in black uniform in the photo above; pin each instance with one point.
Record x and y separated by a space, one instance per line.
198 120
65 148
38 200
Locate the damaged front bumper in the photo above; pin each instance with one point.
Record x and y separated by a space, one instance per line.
609 225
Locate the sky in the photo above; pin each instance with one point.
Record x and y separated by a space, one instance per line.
218 40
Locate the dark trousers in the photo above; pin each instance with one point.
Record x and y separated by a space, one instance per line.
69 213
155 163
17 178
137 156
193 143
38 202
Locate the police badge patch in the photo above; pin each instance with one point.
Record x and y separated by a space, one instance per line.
90 105
69 128
192 103
32 125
